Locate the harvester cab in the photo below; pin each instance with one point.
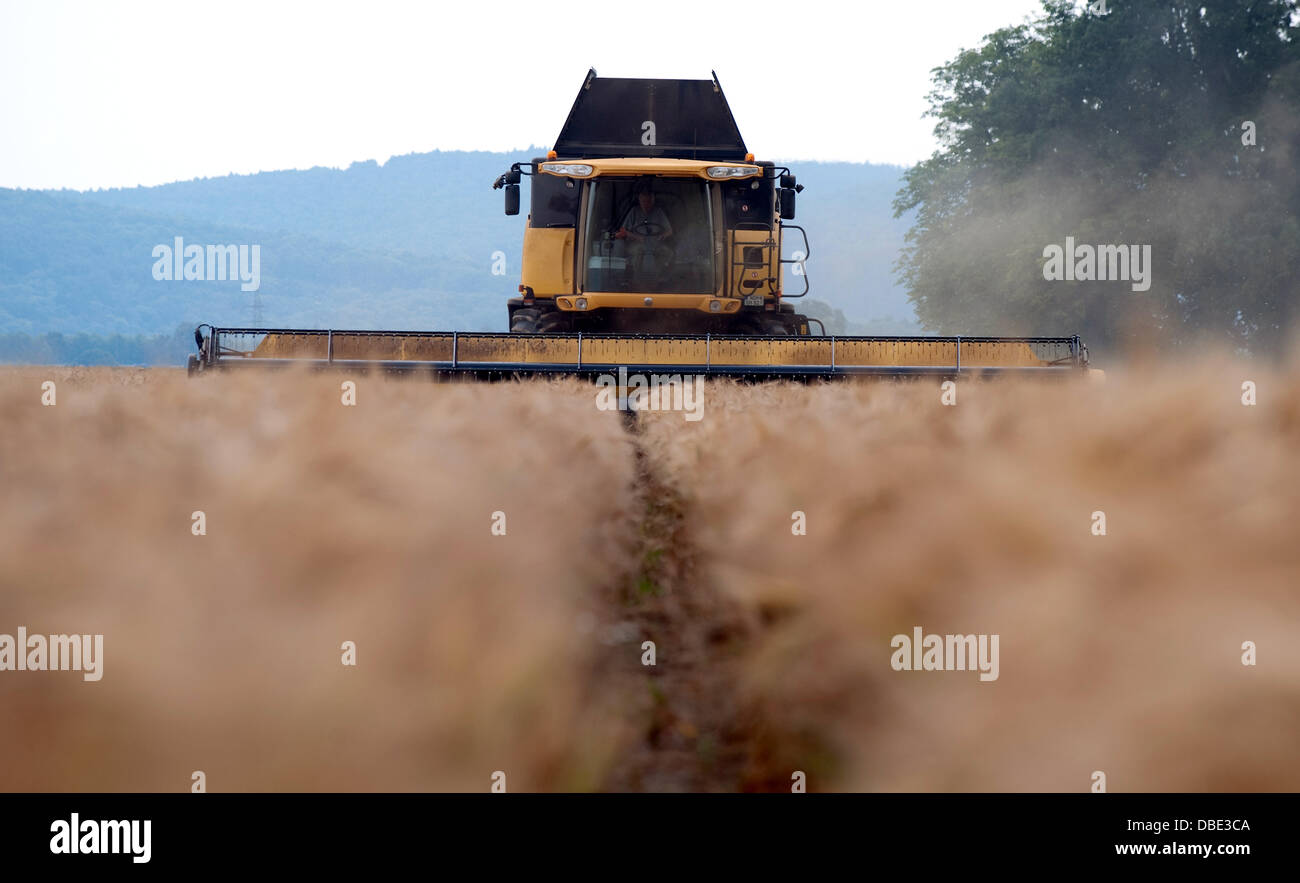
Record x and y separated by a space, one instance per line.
650 215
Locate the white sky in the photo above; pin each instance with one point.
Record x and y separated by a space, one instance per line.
105 94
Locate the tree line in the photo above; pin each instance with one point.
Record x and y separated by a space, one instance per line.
1162 128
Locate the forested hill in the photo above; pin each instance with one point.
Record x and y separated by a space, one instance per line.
71 264
404 245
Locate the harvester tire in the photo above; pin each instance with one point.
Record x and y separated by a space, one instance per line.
525 321
766 326
554 322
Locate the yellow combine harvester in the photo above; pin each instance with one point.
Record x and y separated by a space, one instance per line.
655 243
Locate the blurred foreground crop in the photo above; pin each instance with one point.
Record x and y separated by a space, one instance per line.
1120 653
325 524
523 653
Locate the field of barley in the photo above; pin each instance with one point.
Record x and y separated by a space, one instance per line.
506 559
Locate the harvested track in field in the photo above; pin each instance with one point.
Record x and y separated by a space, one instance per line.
690 732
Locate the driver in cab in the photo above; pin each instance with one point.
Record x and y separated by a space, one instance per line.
644 220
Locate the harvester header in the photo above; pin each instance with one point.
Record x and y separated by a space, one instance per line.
497 356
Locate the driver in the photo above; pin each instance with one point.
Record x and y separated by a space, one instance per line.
645 220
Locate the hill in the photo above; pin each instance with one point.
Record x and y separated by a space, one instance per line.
408 244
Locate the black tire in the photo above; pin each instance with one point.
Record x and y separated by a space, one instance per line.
763 325
525 321
555 322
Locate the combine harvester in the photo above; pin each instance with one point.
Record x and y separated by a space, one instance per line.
654 244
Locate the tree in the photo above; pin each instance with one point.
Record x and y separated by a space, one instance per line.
1119 129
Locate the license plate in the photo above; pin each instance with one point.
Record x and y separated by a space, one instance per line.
753 300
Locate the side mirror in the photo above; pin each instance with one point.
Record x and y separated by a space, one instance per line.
787 182
787 203
512 199
512 176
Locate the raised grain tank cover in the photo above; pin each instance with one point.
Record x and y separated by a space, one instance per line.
677 119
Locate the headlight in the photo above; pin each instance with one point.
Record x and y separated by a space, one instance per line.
731 171
568 169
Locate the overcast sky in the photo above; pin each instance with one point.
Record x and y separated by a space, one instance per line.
105 94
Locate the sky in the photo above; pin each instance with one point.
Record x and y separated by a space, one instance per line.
119 94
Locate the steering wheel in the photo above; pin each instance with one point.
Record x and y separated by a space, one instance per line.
648 228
